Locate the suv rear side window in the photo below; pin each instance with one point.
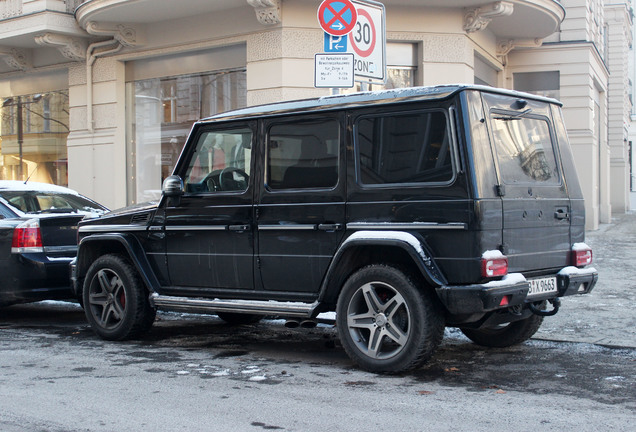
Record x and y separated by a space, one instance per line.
524 149
303 154
413 147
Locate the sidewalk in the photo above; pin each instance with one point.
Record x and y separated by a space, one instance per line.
607 315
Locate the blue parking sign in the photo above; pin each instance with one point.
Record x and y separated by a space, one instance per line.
335 44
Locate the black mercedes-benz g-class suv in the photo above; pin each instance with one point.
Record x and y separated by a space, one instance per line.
404 211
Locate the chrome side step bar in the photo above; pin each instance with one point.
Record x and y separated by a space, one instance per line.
199 305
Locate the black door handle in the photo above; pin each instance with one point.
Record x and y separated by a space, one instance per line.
238 228
561 214
329 227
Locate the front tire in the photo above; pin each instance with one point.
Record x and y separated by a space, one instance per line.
385 322
505 335
115 300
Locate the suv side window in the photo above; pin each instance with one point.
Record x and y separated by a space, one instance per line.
220 161
524 149
303 154
410 147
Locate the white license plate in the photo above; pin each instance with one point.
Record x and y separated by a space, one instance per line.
542 286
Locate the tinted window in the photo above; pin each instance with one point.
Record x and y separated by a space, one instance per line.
303 154
412 147
524 149
220 162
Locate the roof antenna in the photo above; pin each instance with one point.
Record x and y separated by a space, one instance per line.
29 177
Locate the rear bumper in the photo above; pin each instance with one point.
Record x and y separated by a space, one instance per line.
482 298
33 277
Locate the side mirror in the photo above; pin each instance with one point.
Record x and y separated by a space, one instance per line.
173 190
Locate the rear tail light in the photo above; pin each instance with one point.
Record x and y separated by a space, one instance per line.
27 237
581 255
493 264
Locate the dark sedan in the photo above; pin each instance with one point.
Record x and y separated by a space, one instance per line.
38 239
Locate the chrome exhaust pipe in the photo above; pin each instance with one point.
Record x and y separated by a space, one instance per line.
308 324
292 323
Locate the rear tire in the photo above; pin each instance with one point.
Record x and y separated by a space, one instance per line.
115 300
505 335
385 322
239 318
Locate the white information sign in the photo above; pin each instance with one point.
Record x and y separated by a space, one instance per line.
367 41
334 70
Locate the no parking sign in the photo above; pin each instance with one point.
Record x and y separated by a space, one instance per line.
337 17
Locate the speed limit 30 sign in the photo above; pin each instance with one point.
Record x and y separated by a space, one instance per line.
367 41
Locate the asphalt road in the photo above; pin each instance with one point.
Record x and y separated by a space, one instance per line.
195 373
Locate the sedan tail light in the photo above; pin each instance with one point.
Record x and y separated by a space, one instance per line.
581 255
27 237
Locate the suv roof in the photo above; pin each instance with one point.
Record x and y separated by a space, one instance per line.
410 94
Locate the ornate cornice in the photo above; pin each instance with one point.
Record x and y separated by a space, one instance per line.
504 46
125 34
17 59
72 48
268 12
478 18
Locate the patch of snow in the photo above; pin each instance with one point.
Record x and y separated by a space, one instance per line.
251 370
575 271
258 378
615 378
388 235
224 372
327 316
507 280
580 247
492 254
182 372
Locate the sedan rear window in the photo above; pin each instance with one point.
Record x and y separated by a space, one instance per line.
47 202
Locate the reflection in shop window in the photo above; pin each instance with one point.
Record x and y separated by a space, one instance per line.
159 119
33 134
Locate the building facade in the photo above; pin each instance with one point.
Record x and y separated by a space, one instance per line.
111 87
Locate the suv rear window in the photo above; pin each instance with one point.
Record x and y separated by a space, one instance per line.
412 147
524 149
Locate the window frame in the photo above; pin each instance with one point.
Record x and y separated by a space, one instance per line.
448 113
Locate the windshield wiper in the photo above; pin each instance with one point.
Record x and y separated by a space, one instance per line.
57 210
516 116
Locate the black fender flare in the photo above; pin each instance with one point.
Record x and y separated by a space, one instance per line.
130 244
410 243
